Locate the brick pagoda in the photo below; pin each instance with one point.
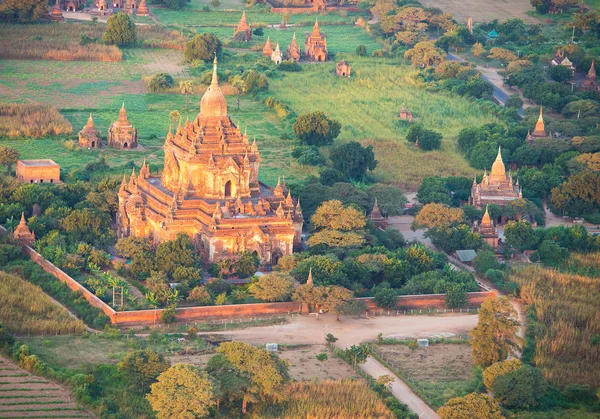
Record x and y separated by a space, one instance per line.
315 46
495 188
591 81
293 50
122 134
242 31
343 69
540 129
143 9
267 50
487 229
377 218
89 136
56 15
22 234
209 190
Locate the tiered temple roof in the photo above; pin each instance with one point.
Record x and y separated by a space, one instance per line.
56 15
89 136
268 48
315 46
487 229
22 234
293 50
122 134
276 56
242 31
540 129
591 81
143 9
209 189
495 188
377 218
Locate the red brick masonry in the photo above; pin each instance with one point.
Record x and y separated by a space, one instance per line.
238 310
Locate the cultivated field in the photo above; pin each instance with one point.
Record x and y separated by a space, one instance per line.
25 309
23 395
483 11
438 372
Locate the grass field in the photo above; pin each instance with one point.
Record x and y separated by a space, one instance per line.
25 395
438 372
483 11
25 309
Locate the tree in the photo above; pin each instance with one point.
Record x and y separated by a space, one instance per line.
175 253
498 369
186 87
160 81
521 388
259 31
438 215
428 139
232 384
425 54
502 54
88 225
496 334
357 354
484 261
456 296
471 406
182 392
353 159
143 367
390 199
316 128
8 156
560 73
477 49
386 297
520 235
120 30
361 51
276 286
24 11
333 215
238 83
202 47
335 298
267 373
335 238
514 101
434 189
199 295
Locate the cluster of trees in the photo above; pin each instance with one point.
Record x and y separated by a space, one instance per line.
23 11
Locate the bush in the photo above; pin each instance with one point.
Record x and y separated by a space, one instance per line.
316 128
386 297
168 316
428 139
361 51
484 261
120 30
497 369
329 338
456 296
160 81
521 388
290 65
202 47
322 357
308 155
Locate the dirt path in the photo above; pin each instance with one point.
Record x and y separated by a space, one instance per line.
89 18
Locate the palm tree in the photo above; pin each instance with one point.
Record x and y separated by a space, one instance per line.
239 84
175 116
186 87
153 301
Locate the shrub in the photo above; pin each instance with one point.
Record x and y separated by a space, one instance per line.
160 81
386 297
471 406
199 295
202 47
120 30
497 369
168 316
361 51
32 120
484 261
521 388
329 338
322 357
413 344
456 296
290 65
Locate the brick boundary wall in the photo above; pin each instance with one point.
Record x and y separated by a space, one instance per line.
231 310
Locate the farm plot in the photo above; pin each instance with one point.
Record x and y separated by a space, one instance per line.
23 395
483 11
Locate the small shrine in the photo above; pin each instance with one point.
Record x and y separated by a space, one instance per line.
487 229
130 6
561 59
283 25
143 9
242 31
539 131
56 15
377 218
470 25
293 50
22 234
122 134
591 81
315 46
276 55
268 48
343 69
405 115
89 136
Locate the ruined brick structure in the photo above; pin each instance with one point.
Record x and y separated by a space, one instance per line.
293 50
591 81
540 129
242 31
72 5
22 235
487 229
315 46
268 48
377 218
209 190
122 134
343 69
56 15
38 171
89 136
143 9
495 188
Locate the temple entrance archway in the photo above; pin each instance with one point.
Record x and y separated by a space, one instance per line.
276 256
228 189
125 145
93 144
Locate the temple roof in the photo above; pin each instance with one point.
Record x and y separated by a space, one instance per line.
486 221
592 72
213 102
498 172
539 126
142 8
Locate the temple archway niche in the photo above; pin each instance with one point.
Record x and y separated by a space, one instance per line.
125 145
228 189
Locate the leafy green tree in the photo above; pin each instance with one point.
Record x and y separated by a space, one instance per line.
353 160
88 225
143 367
175 253
333 215
335 298
357 354
245 264
484 261
520 389
326 270
438 215
139 250
471 406
275 286
361 51
520 235
267 373
232 384
8 157
199 295
202 47
385 297
497 332
456 296
160 82
390 199
499 368
316 128
120 30
239 85
428 139
182 391
434 189
23 11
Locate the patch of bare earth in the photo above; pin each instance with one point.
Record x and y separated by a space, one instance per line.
483 10
303 364
168 61
441 362
25 395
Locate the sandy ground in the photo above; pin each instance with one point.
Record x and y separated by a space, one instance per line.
483 10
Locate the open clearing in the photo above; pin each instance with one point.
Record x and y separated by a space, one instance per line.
440 371
483 11
25 395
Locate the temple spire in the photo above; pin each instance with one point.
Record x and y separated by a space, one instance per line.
486 221
592 72
215 77
499 156
309 281
316 30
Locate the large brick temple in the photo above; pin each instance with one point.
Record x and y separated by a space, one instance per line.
209 189
495 188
